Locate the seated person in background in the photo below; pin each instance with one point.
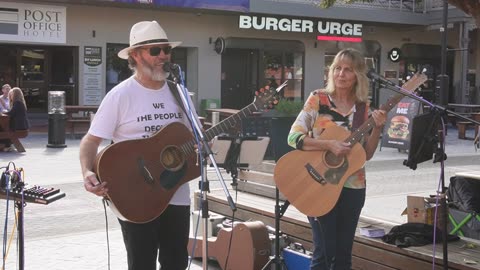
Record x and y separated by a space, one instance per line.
18 115
4 102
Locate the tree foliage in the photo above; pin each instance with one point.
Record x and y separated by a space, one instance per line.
470 7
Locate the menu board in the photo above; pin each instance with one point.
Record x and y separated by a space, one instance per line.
92 75
398 130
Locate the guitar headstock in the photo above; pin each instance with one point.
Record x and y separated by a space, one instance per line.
266 97
414 82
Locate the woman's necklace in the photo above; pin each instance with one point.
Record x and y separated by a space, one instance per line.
343 107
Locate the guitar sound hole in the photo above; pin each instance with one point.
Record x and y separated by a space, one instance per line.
332 161
172 158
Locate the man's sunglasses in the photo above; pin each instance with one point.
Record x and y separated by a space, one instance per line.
155 51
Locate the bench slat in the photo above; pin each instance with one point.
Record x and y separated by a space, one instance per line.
13 134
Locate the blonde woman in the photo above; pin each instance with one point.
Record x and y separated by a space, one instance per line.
17 113
344 102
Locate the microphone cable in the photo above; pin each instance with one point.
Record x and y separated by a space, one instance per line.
105 203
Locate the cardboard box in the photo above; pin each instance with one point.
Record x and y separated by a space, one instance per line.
212 226
422 210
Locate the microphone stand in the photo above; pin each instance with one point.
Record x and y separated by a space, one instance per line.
439 111
204 150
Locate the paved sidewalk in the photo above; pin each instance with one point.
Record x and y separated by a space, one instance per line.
70 233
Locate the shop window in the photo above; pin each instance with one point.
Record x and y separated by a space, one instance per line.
32 65
118 70
281 66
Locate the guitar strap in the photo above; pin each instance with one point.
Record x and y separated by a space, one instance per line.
360 115
173 89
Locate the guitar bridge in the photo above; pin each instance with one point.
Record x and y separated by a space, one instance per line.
314 174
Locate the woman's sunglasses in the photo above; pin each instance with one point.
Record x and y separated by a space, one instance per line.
155 51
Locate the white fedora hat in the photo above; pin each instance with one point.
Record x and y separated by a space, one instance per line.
146 33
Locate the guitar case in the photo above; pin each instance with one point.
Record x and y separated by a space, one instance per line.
249 248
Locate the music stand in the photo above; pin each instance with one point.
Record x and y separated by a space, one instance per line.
232 153
423 140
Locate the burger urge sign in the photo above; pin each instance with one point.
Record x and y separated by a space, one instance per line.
396 133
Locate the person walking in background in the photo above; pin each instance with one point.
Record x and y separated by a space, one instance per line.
4 101
17 114
344 102
117 119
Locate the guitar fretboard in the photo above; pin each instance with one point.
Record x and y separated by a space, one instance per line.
222 127
409 86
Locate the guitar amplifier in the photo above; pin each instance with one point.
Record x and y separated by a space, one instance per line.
296 260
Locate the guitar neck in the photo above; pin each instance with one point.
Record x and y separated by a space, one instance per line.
370 123
223 126
228 123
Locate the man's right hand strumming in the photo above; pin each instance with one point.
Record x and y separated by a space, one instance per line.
91 184
88 150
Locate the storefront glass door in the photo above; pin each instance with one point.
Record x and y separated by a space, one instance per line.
32 77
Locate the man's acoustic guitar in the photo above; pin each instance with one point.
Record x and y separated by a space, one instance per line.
143 174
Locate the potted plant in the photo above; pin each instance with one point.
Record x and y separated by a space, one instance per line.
288 108
286 112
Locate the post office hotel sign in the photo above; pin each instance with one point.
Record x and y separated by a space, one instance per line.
33 23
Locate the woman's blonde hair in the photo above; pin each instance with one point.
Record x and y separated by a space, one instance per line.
16 94
359 68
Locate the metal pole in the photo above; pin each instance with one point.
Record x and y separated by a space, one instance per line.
444 94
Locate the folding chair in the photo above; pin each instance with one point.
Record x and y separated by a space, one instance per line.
464 205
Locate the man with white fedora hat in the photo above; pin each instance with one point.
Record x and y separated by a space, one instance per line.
137 108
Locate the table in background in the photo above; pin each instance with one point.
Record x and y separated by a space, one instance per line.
79 115
223 113
13 136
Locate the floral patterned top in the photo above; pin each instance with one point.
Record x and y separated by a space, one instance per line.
319 113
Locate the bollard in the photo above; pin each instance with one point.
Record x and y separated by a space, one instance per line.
56 119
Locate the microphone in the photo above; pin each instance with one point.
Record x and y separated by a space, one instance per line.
169 67
374 76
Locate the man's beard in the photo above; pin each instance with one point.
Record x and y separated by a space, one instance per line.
148 70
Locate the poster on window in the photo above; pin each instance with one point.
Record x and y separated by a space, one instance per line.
398 128
92 75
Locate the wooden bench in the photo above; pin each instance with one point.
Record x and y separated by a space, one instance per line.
79 116
254 201
462 128
14 136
